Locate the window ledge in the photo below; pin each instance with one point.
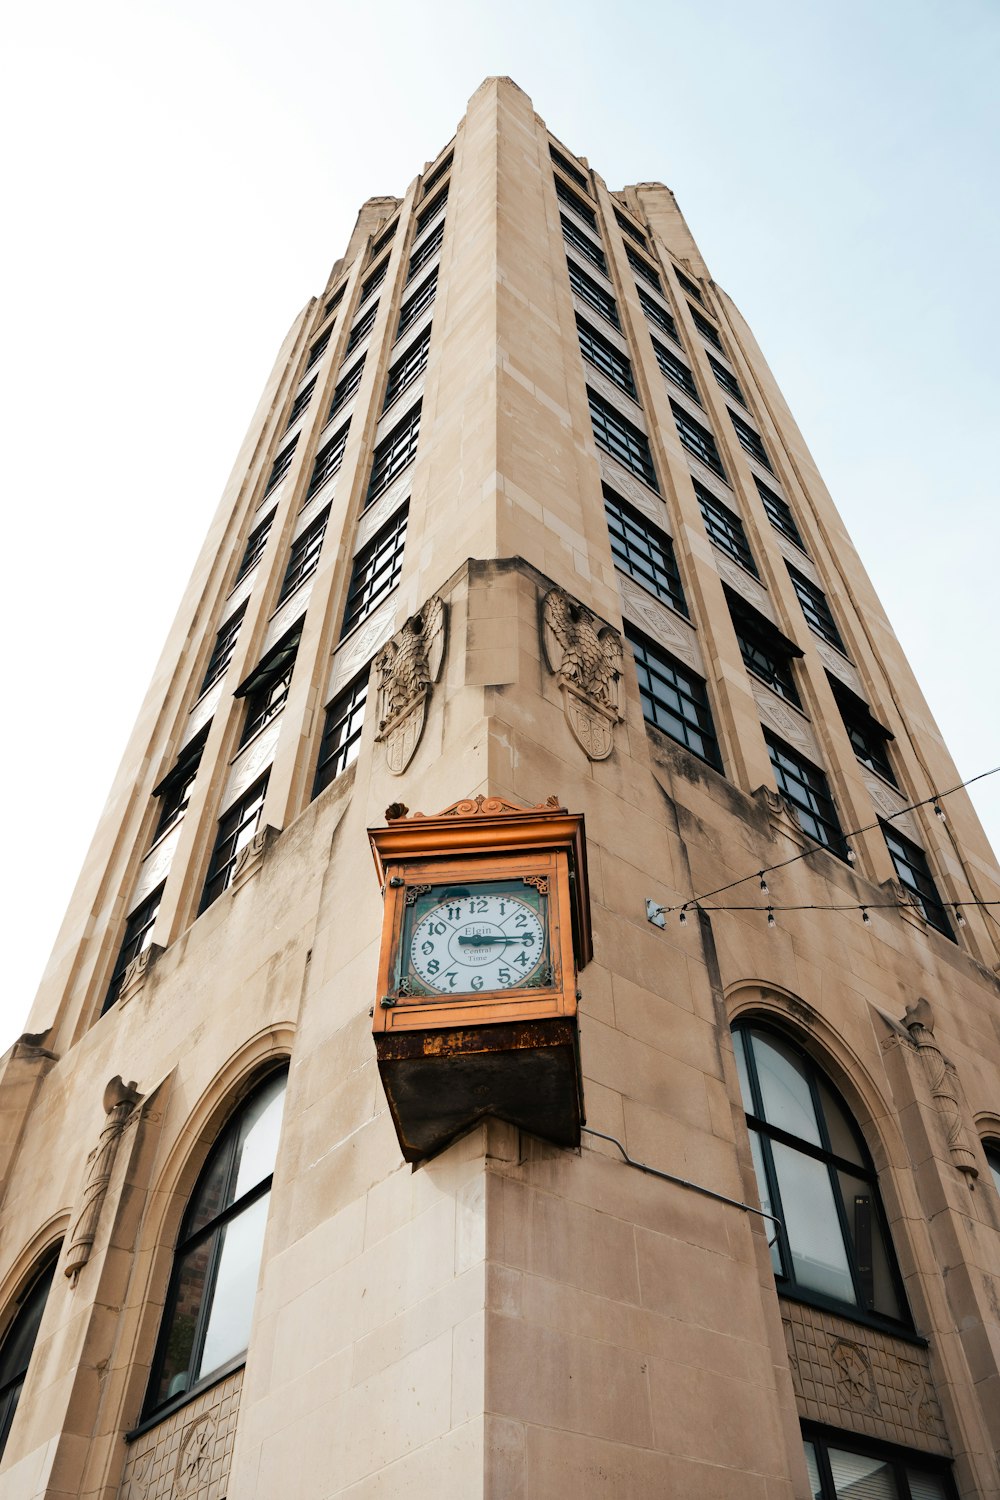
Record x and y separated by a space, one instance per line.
854 1315
177 1402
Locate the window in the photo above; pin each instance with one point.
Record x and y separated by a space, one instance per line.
856 1469
406 369
565 165
236 829
254 549
393 453
643 552
433 178
361 330
779 514
300 403
342 732
424 252
725 529
658 315
414 306
688 285
346 387
174 791
303 559
594 295
374 281
266 689
280 467
764 650
815 608
727 380
630 230
335 301
385 238
319 348
915 874
582 210
676 370
575 236
868 738
206 1317
814 1173
432 210
642 268
606 358
674 699
697 439
376 571
705 328
328 460
992 1153
138 929
623 441
19 1342
805 786
225 644
749 440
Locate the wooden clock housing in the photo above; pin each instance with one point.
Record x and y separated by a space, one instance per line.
447 1060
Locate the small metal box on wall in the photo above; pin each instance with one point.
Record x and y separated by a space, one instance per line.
486 924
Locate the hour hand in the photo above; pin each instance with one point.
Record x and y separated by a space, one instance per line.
481 942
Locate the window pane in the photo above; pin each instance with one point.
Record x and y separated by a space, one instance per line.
210 1197
819 1259
843 1139
740 1042
259 1137
228 1331
878 1288
192 1273
785 1090
815 1483
926 1486
857 1477
757 1151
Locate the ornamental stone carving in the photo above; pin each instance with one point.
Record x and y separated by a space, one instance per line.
943 1080
585 655
249 859
120 1099
135 974
853 1372
408 666
194 1459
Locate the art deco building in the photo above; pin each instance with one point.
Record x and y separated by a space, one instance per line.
307 1189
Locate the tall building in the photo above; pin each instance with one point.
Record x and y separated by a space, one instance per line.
309 1191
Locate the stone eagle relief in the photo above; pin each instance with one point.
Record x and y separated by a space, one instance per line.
585 656
408 666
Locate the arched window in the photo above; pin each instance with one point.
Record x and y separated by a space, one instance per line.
992 1150
831 1245
206 1319
19 1341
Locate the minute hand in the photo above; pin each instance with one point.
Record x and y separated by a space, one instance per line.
481 942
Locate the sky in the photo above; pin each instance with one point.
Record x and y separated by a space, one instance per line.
179 177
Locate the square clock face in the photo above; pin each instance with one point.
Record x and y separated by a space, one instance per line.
475 937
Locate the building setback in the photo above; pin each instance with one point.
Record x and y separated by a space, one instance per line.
521 516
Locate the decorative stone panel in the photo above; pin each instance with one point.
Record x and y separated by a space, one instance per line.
862 1380
655 619
617 478
187 1455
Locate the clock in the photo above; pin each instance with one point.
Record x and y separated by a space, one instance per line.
477 937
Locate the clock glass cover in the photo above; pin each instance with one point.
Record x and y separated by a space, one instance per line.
475 938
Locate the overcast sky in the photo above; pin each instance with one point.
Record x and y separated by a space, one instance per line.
179 177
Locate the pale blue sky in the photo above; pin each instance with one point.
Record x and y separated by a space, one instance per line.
180 176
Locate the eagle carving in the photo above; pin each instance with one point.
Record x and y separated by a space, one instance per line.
408 666
585 655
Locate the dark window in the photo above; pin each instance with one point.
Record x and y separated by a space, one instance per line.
415 305
814 1173
623 441
575 236
992 1153
606 357
361 330
209 1304
253 551
433 178
582 210
764 650
342 732
697 439
805 786
587 288
688 285
424 252
658 315
393 453
281 466
643 552
630 230
406 369
374 281
174 791
815 608
376 571
318 349
346 387
674 699
19 1342
328 460
385 238
136 940
266 689
303 559
749 440
432 210
236 829
729 383
642 268
705 328
335 301
725 529
853 1468
676 370
573 172
225 644
868 739
300 403
779 514
915 874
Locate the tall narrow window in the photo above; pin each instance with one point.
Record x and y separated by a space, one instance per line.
266 689
341 742
566 195
676 370
361 329
779 513
574 235
236 829
807 789
725 529
697 439
418 303
300 403
688 285
138 931
328 460
407 368
432 210
707 330
374 281
174 790
19 1342
209 1305
658 315
319 348
643 552
434 176
424 252
674 699
376 571
572 171
303 560
594 295
643 268
817 611
346 387
727 380
606 357
394 452
281 466
914 873
868 739
764 650
225 645
622 440
750 441
630 230
254 550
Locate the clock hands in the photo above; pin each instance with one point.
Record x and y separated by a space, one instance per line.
481 942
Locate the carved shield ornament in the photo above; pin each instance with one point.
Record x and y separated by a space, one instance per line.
585 656
408 666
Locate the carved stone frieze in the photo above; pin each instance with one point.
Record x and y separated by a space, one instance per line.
659 622
943 1080
853 1373
889 802
784 720
585 656
635 493
841 668
195 1455
249 859
408 666
739 580
120 1099
363 644
135 975
187 1455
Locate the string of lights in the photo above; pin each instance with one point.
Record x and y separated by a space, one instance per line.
869 906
